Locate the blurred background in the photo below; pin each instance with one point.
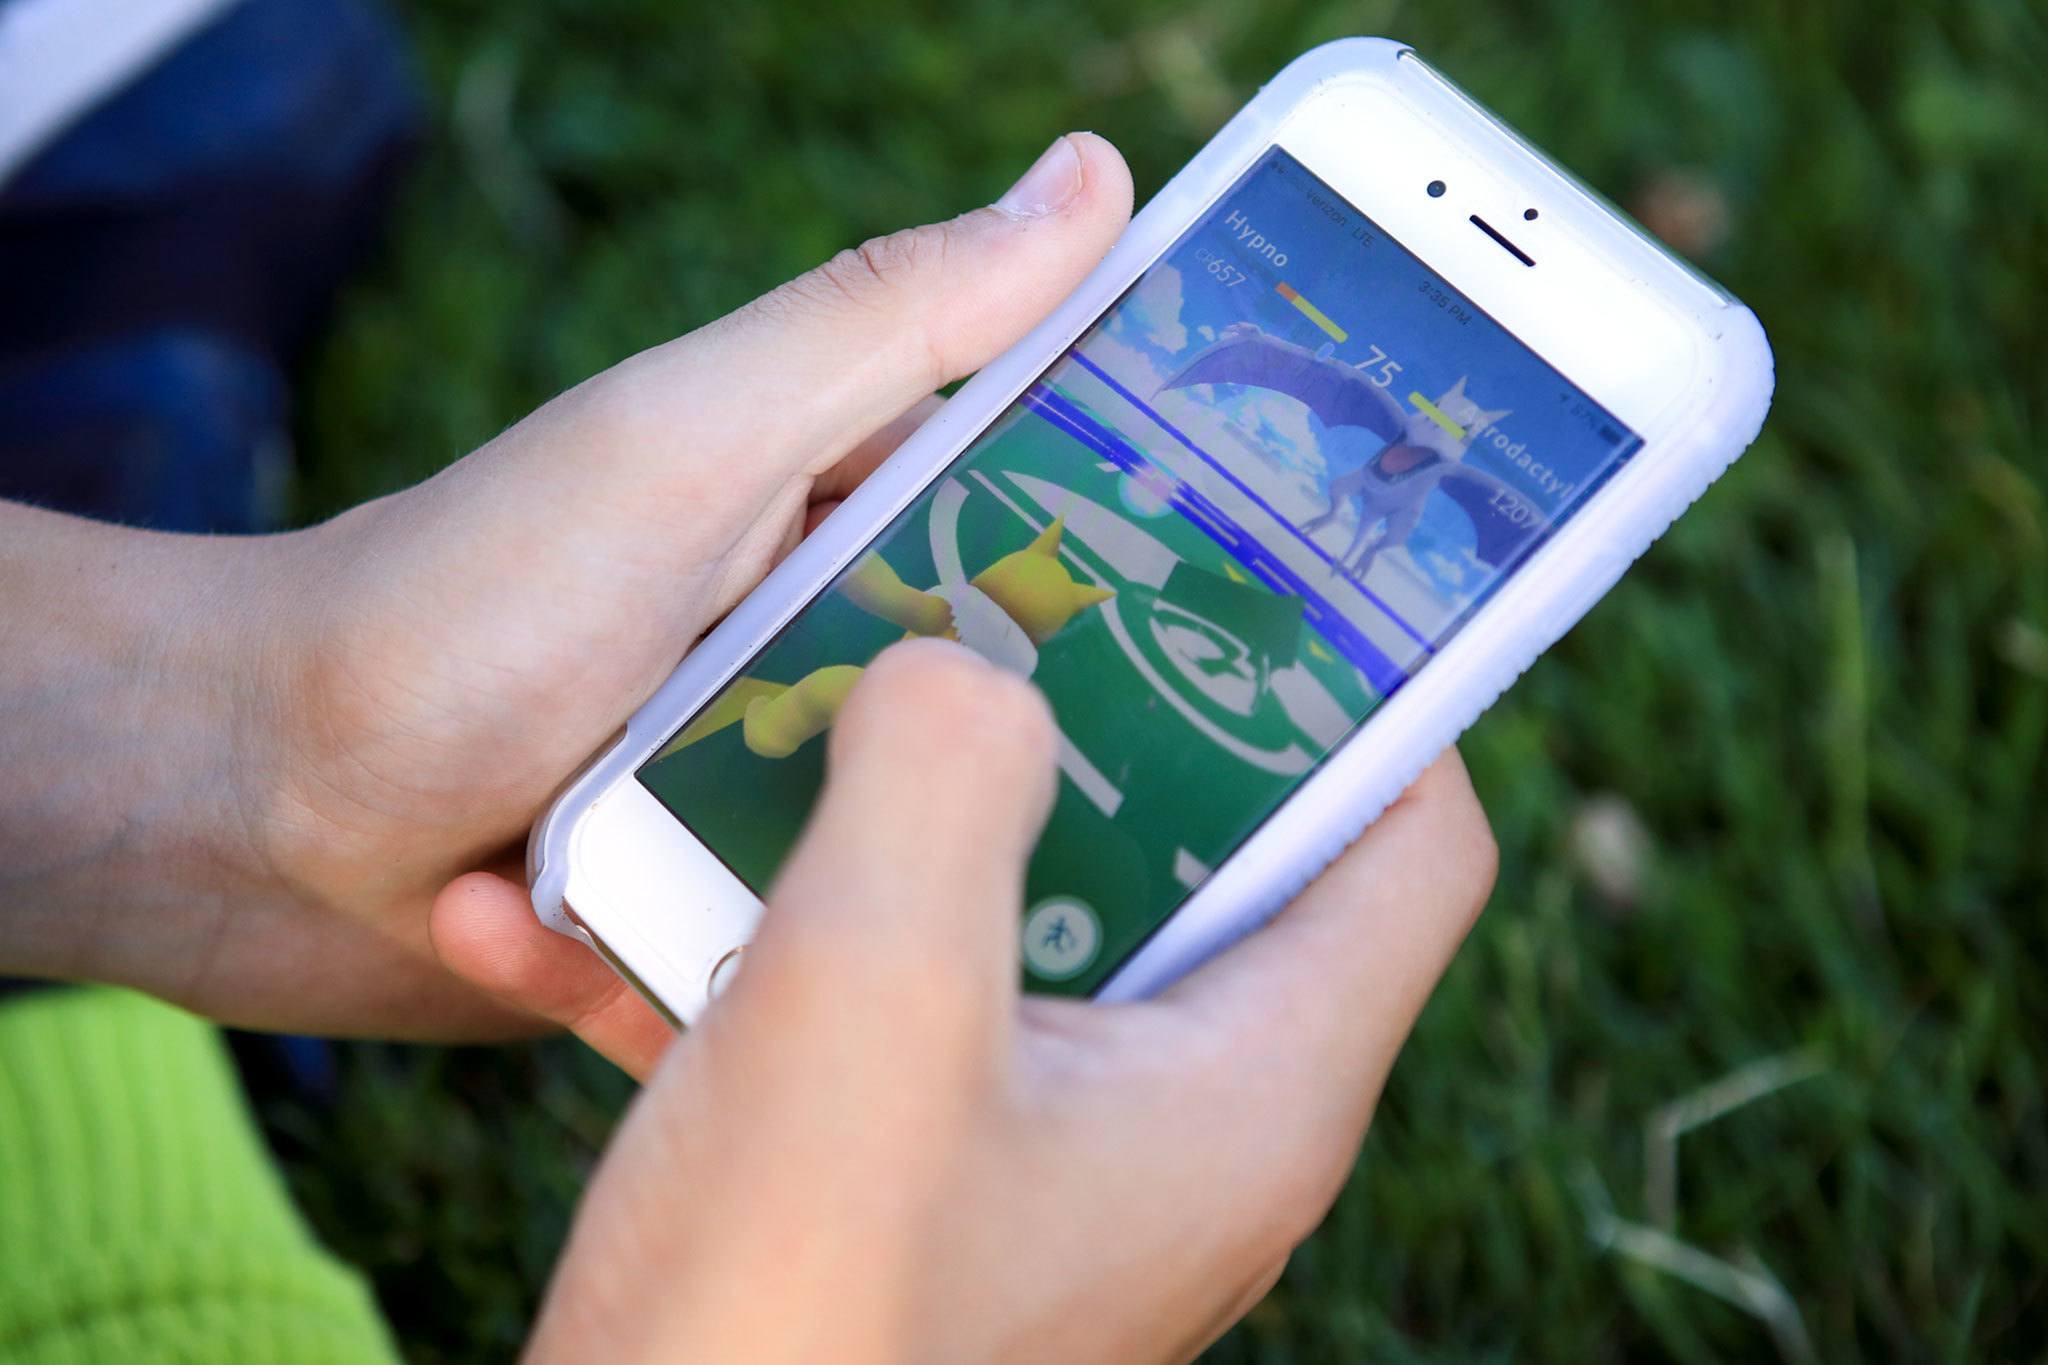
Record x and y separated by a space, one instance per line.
1745 1061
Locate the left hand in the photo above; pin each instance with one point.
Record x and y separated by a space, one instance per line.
333 724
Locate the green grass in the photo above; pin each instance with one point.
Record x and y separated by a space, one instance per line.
1820 703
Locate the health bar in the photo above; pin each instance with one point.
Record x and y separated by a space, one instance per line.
1436 415
1311 312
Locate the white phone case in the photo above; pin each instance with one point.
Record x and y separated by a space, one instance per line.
1566 575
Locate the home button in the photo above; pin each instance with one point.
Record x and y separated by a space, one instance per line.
722 974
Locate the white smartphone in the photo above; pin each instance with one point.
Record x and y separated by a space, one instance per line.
1364 410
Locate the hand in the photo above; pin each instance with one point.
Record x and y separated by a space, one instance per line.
870 1150
302 738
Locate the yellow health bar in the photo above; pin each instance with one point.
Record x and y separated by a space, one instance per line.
1436 415
1311 312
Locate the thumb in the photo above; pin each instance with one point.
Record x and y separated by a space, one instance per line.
893 927
788 384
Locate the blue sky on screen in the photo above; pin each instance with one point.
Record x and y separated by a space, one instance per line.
1375 291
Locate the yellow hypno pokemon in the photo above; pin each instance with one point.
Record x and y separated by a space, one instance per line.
1005 613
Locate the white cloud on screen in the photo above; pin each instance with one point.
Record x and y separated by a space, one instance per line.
1265 438
1152 311
1284 424
1134 366
1450 573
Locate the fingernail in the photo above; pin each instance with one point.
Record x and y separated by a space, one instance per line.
1049 186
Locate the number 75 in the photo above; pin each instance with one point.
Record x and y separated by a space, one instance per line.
1384 377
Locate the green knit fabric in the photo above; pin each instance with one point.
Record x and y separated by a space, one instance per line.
140 1218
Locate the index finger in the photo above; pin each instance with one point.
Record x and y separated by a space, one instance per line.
896 913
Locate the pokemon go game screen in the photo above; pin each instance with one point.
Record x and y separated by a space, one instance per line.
1240 511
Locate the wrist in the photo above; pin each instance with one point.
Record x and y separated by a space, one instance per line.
131 720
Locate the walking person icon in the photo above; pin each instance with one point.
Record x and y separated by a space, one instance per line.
1061 937
1058 936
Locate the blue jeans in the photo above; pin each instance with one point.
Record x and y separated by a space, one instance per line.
164 262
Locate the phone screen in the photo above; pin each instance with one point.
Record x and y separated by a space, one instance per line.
1243 509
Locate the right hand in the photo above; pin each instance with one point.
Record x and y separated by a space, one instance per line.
873 1150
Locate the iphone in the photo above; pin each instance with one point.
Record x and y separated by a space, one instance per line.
1365 409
